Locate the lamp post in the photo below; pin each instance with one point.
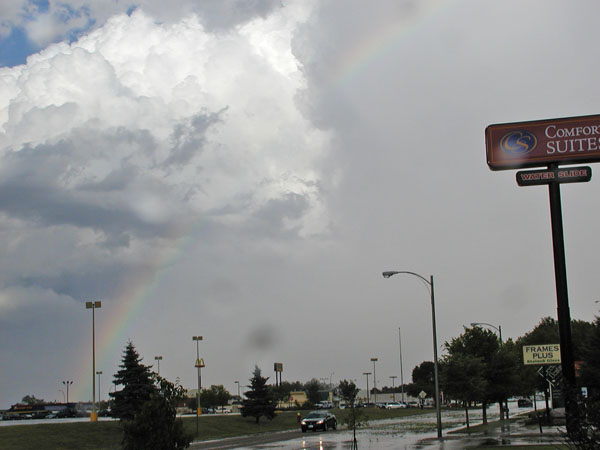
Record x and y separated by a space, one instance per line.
93 306
401 368
330 377
158 360
367 374
374 360
238 386
497 328
393 377
429 282
67 383
199 364
99 372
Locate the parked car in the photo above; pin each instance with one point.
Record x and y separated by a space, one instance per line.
395 405
316 420
324 405
524 403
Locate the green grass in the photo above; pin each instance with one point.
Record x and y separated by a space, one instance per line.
107 435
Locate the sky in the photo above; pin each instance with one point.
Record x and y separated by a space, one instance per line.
246 170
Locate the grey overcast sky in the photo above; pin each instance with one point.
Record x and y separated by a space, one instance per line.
245 170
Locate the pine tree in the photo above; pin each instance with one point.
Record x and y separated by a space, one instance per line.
259 400
137 385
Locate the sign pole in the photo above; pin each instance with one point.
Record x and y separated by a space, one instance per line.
562 301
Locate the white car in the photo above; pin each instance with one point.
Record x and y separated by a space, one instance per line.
395 405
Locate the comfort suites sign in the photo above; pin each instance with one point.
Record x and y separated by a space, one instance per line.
543 142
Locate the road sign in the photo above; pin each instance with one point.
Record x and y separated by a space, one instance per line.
543 142
541 354
547 176
422 395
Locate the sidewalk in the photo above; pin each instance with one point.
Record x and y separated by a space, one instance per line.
504 433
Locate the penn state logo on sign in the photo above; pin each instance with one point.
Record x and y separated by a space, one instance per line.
518 142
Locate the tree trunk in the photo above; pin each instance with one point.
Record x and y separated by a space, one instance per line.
467 414
484 412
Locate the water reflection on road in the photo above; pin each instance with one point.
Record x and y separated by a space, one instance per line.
407 433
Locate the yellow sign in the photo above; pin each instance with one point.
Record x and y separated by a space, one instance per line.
200 363
541 354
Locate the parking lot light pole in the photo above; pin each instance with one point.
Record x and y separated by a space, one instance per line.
158 360
429 282
393 377
198 365
93 306
374 360
67 383
99 372
367 374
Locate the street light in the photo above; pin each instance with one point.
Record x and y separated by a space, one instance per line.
93 306
238 386
374 360
199 364
497 328
67 383
393 377
99 372
158 360
435 355
367 374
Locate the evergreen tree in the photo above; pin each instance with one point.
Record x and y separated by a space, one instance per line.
259 399
137 385
155 426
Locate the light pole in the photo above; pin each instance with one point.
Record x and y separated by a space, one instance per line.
238 386
99 372
330 377
497 328
93 306
374 360
67 383
158 360
199 364
393 377
435 355
367 374
401 368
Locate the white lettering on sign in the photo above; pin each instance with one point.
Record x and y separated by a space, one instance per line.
586 139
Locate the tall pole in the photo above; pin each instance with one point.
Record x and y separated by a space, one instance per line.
393 377
238 386
198 366
67 383
401 368
374 380
435 366
388 274
563 312
99 372
367 374
93 306
158 359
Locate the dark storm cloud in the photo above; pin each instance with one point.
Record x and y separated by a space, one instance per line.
188 138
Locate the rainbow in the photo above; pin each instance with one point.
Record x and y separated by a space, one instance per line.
366 52
112 332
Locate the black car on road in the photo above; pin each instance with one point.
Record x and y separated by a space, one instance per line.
318 420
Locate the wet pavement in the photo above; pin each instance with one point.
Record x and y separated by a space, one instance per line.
408 433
